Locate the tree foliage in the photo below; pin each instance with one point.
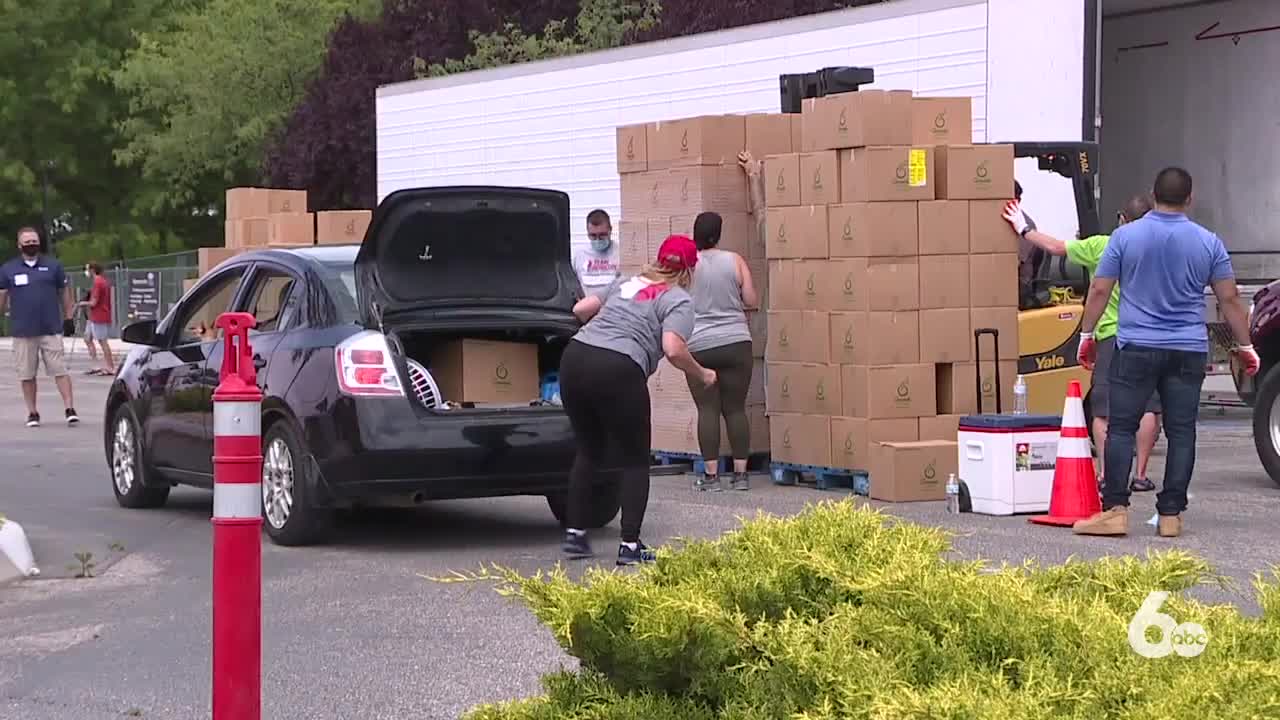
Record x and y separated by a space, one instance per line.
689 18
212 86
600 25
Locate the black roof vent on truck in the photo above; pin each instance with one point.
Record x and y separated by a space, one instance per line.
828 81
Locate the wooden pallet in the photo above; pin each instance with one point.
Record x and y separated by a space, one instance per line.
824 478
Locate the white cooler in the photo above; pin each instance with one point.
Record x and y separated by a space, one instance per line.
1007 461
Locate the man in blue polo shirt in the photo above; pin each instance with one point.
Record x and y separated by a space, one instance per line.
1163 262
38 295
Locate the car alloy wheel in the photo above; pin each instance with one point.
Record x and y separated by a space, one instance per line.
124 455
1274 426
277 483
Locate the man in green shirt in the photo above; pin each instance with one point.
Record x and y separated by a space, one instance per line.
1087 252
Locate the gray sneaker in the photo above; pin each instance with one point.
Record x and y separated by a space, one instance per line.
741 481
707 482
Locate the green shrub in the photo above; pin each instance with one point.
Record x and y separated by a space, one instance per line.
845 612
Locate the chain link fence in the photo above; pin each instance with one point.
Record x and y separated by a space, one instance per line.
141 288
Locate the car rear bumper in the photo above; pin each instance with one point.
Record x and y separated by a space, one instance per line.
380 449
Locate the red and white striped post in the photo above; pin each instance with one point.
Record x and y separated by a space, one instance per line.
237 527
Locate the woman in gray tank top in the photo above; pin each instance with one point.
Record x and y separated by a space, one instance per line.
722 292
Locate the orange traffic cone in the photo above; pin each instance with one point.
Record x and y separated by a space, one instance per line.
1075 485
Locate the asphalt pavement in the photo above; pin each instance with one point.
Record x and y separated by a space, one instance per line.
352 630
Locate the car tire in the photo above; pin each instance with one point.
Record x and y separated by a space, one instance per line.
605 503
1266 423
288 479
128 465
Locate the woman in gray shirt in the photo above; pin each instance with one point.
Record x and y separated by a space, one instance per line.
604 376
722 292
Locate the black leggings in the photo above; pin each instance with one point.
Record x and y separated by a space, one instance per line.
727 398
606 396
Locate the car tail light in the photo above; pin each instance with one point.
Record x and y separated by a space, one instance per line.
365 366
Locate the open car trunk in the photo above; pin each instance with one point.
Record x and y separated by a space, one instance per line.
490 368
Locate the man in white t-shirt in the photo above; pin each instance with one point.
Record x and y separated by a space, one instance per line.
597 266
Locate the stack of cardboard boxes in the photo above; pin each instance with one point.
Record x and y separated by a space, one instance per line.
671 172
886 249
275 218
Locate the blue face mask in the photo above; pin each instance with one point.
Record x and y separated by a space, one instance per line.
601 243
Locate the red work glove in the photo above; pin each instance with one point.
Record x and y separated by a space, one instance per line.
1249 358
1088 351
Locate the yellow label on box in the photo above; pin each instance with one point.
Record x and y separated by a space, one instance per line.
918 165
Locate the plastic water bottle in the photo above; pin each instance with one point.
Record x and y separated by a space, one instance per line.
953 495
1020 396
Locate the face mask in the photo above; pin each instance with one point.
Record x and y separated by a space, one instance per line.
600 244
31 250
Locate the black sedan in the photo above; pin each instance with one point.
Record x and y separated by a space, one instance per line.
345 346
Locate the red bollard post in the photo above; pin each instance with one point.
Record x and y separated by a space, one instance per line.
237 527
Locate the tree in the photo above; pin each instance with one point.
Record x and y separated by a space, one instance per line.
212 88
328 143
689 18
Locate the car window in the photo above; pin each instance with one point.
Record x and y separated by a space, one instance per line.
340 281
198 320
269 299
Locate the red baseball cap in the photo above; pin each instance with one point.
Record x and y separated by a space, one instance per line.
677 253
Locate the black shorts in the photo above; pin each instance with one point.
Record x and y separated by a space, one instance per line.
1098 389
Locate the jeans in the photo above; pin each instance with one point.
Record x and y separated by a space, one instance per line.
1136 373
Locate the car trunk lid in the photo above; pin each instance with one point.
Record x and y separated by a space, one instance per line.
457 247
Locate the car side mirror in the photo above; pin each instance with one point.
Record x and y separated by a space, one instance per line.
142 332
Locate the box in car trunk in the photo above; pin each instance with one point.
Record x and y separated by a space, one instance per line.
487 371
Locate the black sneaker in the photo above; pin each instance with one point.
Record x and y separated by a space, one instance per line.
741 481
72 418
642 554
1141 485
575 546
33 420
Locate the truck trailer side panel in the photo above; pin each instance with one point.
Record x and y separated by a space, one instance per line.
552 123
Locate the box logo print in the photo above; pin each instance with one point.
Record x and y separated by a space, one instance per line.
782 182
786 438
684 142
631 148
930 474
817 178
903 394
940 121
848 338
980 175
502 374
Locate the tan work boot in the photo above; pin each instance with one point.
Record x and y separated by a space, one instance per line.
1108 522
1169 526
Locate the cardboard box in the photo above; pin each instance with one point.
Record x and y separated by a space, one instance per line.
989 232
658 229
880 174
944 282
801 284
912 471
633 245
819 178
633 150
675 429
759 270
892 284
957 387
974 172
1005 321
769 134
805 388
857 119
944 227
800 439
941 120
210 257
843 285
487 371
875 338
853 438
692 190
797 132
940 427
291 229
188 283
706 140
342 227
799 336
796 233
782 181
757 321
887 391
880 229
287 201
945 336
247 202
993 280
248 232
640 194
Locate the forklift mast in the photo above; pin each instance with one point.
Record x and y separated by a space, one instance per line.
1076 161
